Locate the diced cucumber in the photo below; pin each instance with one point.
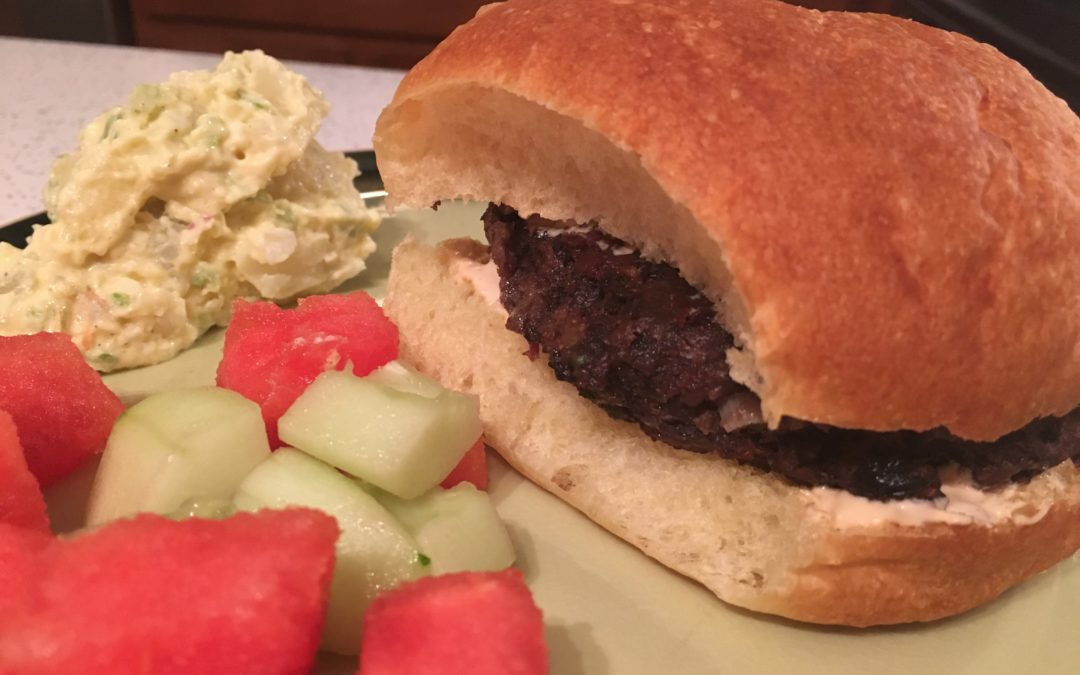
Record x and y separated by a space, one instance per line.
380 430
214 508
176 446
457 529
374 551
403 377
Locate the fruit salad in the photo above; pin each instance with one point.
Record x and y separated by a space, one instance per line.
236 528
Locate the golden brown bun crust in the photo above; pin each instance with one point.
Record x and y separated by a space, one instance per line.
749 537
938 572
895 208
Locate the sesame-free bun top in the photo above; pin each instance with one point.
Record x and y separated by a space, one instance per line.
888 215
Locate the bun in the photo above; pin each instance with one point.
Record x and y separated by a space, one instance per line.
749 537
887 215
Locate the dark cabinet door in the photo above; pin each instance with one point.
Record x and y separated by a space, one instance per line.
394 33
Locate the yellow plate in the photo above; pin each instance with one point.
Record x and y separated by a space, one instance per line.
610 609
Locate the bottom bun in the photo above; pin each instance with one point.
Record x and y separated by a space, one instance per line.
756 541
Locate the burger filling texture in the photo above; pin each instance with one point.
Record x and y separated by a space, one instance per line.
638 340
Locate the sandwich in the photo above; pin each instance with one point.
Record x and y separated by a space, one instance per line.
787 299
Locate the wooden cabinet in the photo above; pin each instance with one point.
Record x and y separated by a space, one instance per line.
391 33
398 33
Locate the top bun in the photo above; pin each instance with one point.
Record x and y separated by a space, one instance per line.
888 215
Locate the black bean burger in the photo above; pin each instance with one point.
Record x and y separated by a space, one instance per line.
790 300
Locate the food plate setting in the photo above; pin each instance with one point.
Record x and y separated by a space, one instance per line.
610 609
751 349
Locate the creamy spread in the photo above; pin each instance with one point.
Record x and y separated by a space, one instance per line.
557 231
962 504
202 189
584 229
484 279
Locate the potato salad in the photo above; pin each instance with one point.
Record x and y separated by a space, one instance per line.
205 188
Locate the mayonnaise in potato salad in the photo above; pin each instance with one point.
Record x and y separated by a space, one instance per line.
205 188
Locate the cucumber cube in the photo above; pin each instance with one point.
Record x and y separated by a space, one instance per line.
381 430
213 509
174 447
374 552
403 377
457 529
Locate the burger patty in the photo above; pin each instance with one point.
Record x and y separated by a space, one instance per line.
634 337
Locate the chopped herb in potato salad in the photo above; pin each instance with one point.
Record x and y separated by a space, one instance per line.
205 188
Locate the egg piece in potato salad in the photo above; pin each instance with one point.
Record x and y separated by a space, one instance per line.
205 188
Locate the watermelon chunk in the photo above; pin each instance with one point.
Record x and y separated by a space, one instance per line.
63 410
272 354
19 548
468 623
21 501
472 468
151 595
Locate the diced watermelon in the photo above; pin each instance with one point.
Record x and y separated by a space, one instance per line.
19 548
63 410
468 623
21 501
272 354
151 595
472 468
